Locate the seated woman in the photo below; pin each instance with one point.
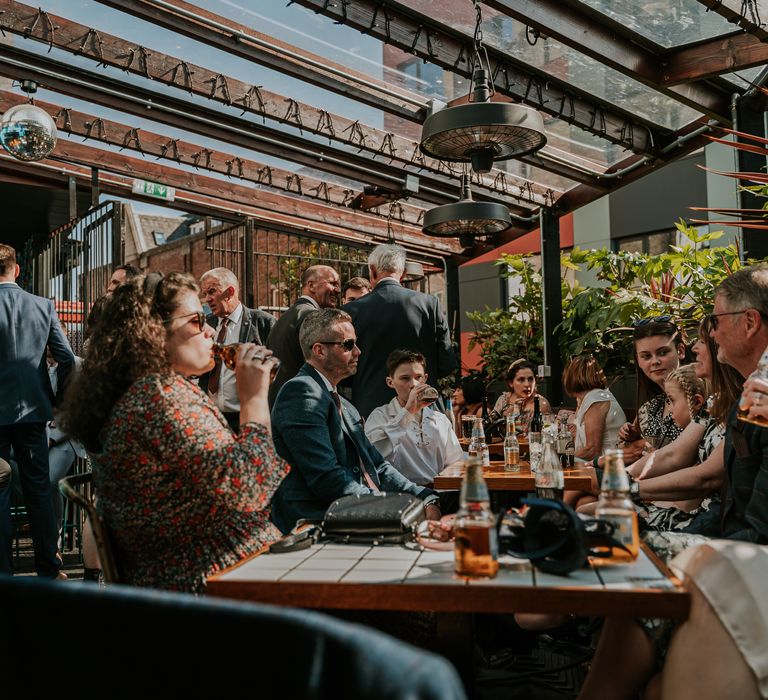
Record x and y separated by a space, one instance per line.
418 440
659 349
468 399
521 380
182 496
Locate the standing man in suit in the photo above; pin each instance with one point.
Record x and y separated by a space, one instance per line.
234 324
393 317
320 289
321 434
28 325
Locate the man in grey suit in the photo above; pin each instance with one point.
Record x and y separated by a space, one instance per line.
221 290
321 434
393 317
320 289
28 325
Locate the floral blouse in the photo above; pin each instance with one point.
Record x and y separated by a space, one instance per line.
652 421
183 497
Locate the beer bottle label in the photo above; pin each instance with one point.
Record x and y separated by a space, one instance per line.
623 526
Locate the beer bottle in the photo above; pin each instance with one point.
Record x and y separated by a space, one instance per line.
615 506
549 476
536 422
511 447
476 543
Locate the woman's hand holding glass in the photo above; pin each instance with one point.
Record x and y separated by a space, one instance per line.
252 374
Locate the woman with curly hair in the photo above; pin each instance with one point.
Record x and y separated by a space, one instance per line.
181 495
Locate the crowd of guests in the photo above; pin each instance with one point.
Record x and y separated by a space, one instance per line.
198 464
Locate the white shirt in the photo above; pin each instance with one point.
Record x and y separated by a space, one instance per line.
419 446
226 397
614 419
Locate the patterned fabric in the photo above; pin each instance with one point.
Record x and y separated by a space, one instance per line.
668 519
652 421
181 494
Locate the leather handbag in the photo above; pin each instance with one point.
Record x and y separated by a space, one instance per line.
375 518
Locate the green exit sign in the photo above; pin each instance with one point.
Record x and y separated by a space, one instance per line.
154 189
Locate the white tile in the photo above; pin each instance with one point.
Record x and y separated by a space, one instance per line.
326 564
396 553
638 571
442 573
435 557
383 565
317 575
343 551
581 578
373 576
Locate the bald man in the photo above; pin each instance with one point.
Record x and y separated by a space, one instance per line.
221 291
320 289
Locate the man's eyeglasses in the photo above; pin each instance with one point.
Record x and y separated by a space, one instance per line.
347 344
714 320
666 318
199 318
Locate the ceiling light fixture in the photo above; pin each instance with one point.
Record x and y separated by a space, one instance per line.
480 131
466 217
27 132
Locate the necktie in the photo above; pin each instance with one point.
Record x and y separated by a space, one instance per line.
213 382
368 479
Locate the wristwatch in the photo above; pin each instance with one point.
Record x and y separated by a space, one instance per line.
634 487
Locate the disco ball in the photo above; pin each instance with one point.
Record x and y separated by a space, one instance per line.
27 132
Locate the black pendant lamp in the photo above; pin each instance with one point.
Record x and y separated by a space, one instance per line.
480 131
466 217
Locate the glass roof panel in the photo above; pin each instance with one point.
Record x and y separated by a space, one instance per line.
668 22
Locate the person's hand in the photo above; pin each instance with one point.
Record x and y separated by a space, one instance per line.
433 511
633 451
629 433
252 374
754 397
414 403
436 534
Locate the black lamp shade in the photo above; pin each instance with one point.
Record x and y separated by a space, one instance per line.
482 132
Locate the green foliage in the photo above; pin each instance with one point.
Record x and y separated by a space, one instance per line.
679 282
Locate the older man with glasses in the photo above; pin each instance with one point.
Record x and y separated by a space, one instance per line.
321 435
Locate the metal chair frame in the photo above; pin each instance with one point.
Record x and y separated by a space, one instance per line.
79 490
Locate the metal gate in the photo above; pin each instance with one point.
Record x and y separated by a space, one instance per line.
74 265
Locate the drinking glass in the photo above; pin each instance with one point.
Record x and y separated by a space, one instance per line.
535 448
466 426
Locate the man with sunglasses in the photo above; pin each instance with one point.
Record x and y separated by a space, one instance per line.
234 323
321 435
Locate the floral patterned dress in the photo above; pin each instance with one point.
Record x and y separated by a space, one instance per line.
652 421
183 497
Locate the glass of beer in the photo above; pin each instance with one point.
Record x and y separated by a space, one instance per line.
428 396
228 355
467 423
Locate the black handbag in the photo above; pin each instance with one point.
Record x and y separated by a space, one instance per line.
375 518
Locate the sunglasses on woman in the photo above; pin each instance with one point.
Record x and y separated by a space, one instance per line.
198 318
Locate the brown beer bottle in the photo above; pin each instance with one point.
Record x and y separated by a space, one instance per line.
476 543
226 353
615 506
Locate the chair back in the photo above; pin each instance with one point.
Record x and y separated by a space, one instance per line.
79 490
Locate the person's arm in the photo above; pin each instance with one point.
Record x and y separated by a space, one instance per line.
680 453
62 353
594 429
379 428
697 481
236 472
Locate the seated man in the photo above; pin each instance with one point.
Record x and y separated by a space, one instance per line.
321 434
417 439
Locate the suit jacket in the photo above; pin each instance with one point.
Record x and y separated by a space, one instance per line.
255 328
28 325
324 452
392 317
283 341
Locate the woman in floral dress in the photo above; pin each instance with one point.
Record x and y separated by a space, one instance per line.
181 495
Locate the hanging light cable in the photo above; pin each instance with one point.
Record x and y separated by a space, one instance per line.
480 131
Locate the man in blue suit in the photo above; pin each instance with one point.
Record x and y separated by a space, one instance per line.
321 435
28 325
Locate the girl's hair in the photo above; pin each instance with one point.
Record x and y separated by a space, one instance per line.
726 381
691 385
127 342
664 326
582 374
518 365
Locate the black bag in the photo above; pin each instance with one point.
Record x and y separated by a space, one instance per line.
375 518
554 537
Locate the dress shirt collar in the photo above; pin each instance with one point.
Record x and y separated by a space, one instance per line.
13 283
235 316
310 299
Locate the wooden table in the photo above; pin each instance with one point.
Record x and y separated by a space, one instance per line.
499 480
407 577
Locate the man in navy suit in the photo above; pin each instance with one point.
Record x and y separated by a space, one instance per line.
392 317
321 435
28 325
234 323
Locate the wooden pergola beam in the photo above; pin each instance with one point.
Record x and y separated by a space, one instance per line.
734 17
709 58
